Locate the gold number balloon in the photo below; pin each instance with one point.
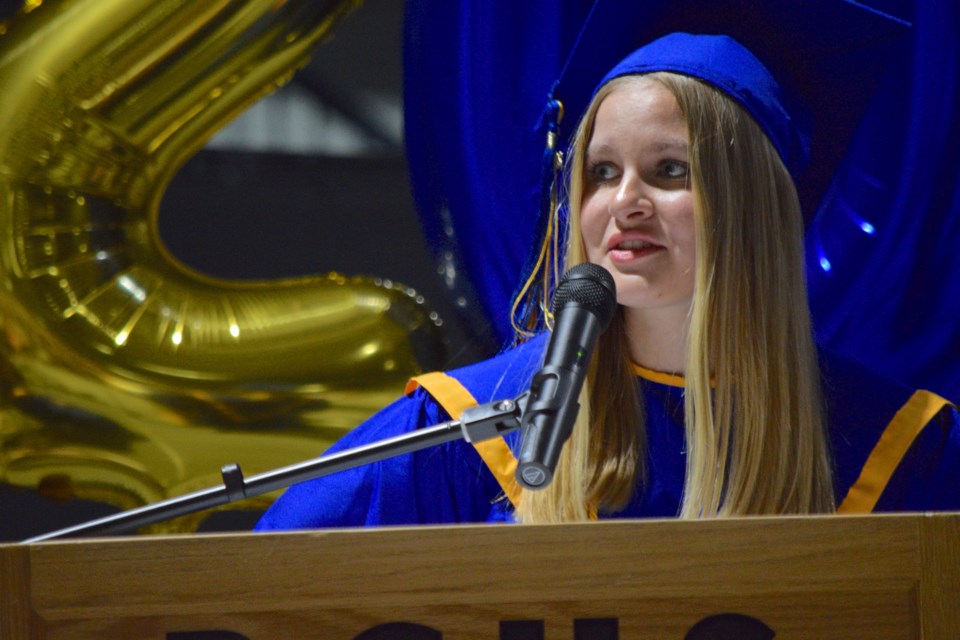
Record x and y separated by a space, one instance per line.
125 376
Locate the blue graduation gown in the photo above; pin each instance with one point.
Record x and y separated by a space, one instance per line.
894 450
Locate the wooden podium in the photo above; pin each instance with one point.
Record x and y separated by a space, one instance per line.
872 577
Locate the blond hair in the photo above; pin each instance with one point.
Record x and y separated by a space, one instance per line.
753 412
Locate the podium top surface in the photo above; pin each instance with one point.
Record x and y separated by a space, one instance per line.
891 570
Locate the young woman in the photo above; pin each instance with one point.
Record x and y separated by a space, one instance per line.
705 397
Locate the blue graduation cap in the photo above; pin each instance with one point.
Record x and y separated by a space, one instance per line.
804 69
826 56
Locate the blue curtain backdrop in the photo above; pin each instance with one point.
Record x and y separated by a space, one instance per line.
476 76
883 247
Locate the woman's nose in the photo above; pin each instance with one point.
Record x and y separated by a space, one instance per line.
630 200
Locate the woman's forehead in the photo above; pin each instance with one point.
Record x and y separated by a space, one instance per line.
640 108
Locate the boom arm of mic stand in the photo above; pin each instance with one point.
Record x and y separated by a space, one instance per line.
479 423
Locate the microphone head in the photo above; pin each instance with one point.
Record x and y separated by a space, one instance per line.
591 287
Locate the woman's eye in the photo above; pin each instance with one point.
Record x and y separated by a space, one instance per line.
601 172
674 169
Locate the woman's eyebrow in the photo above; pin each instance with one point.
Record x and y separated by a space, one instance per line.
670 144
666 145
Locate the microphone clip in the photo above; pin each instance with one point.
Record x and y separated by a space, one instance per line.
493 419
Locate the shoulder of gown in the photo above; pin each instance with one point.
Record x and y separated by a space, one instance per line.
447 483
894 448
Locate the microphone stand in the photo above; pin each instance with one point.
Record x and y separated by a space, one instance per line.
479 423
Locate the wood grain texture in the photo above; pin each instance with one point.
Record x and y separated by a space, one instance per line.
815 577
940 583
16 615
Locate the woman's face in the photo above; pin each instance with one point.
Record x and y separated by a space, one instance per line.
637 211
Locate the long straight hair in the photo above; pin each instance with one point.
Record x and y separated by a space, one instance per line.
753 410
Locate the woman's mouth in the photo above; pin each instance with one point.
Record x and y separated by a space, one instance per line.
629 250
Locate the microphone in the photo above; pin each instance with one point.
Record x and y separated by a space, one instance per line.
583 307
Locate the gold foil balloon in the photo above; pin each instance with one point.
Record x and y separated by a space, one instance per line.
126 377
